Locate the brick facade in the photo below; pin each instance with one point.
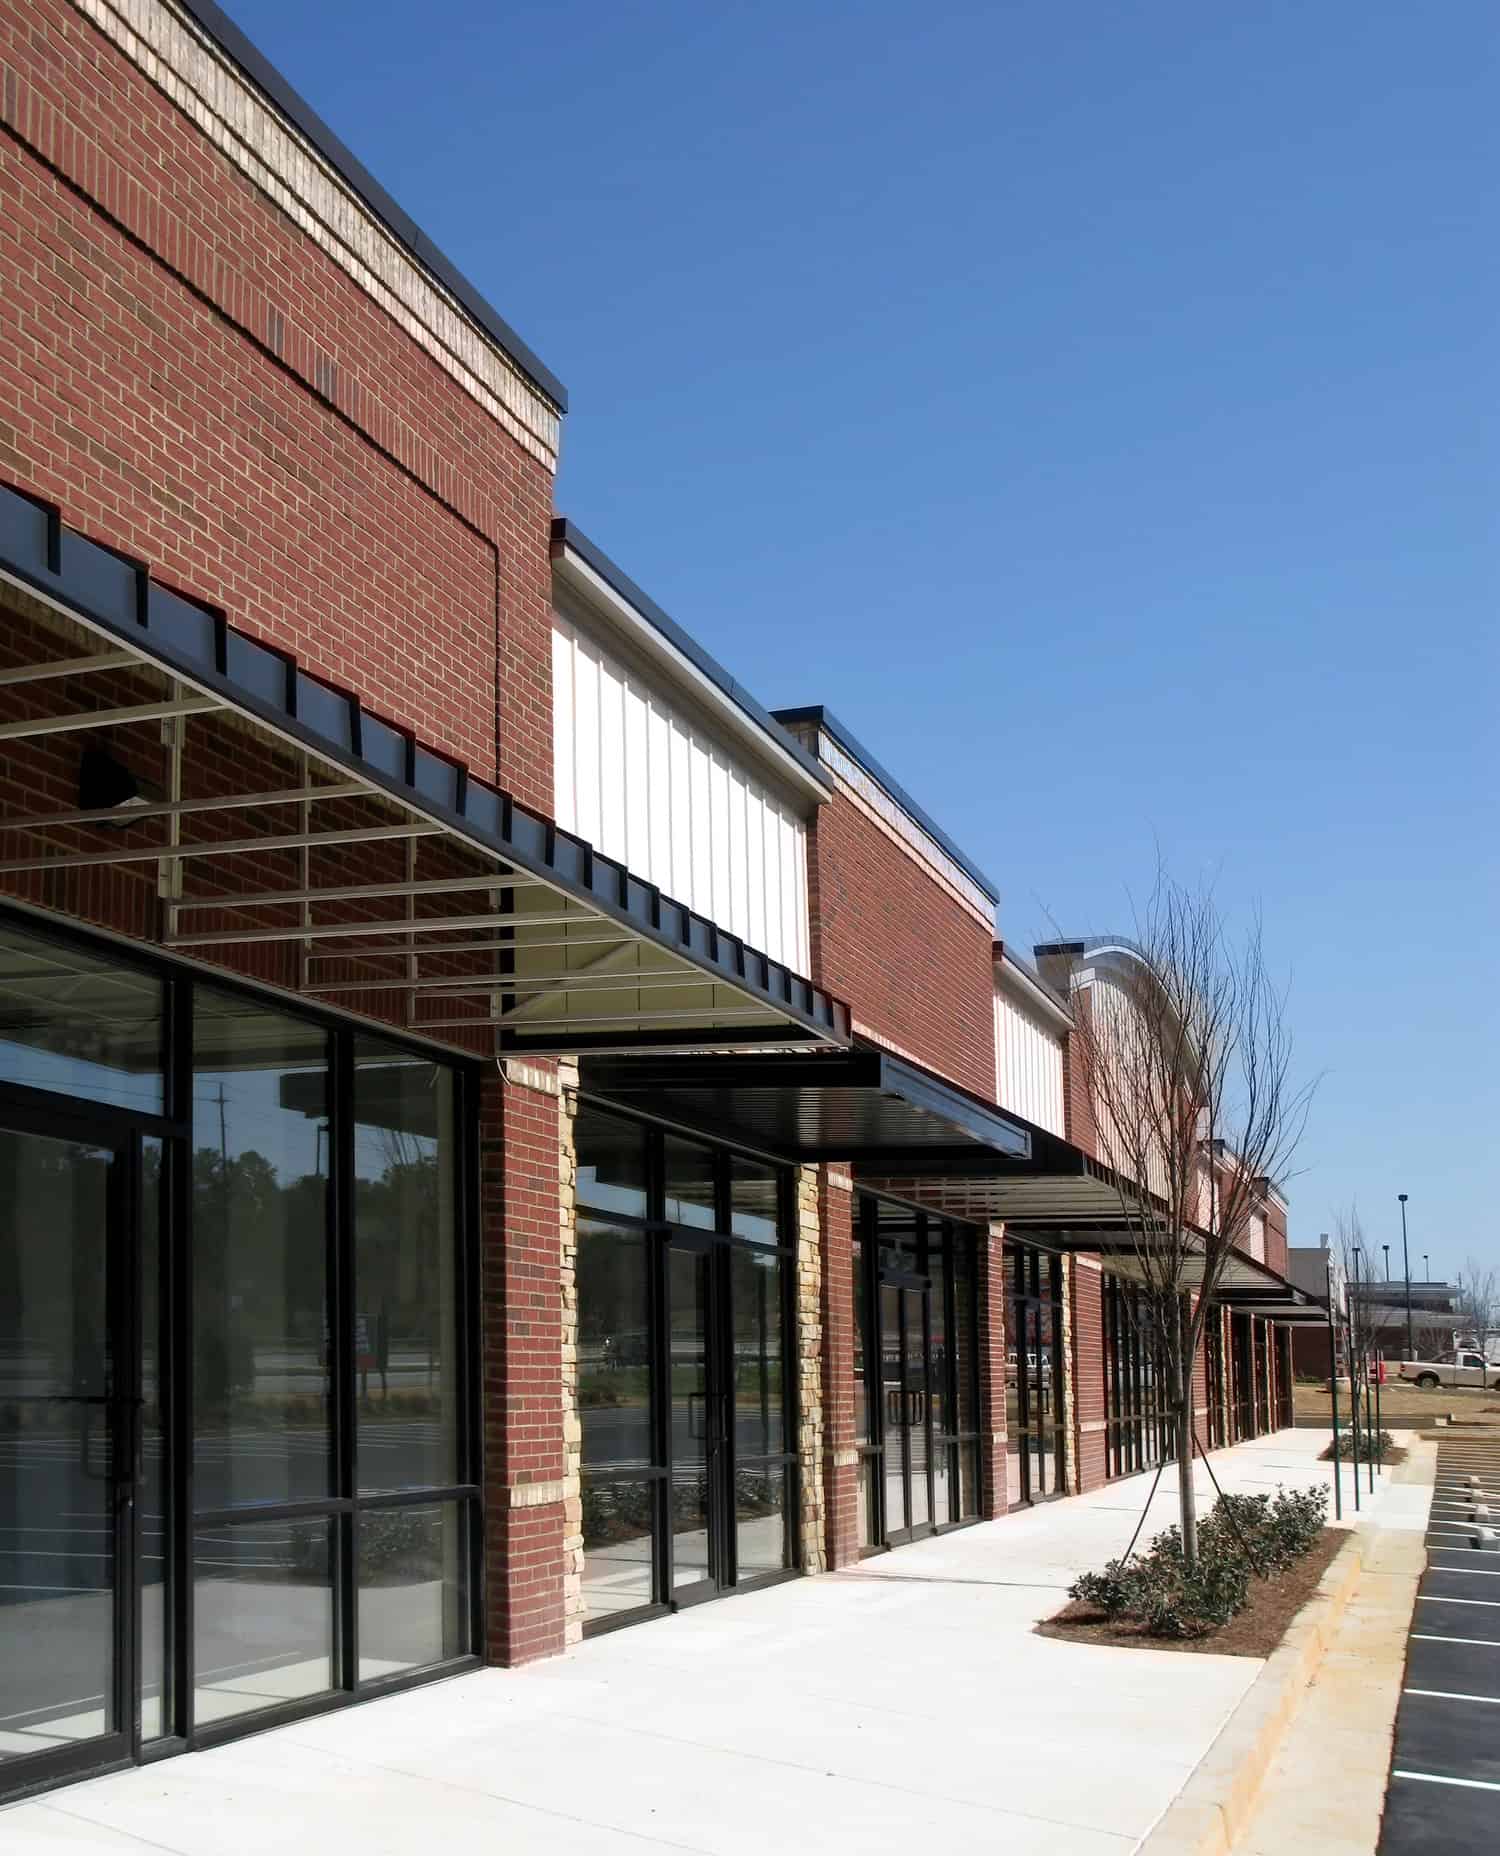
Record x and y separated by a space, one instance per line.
526 1461
887 934
195 383
841 1462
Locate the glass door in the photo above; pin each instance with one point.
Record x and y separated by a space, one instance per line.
695 1417
68 1440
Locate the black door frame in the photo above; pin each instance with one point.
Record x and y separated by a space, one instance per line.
118 1131
718 1442
909 1286
70 1117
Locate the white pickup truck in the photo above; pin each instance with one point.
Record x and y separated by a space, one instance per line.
1463 1368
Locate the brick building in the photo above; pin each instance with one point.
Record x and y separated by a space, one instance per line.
500 1136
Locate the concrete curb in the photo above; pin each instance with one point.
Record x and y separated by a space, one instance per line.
1215 1806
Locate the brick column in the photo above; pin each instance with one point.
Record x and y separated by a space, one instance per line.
809 1345
525 1434
1200 1379
841 1465
1088 1373
994 1473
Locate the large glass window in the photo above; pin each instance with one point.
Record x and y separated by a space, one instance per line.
262 1255
262 1615
405 1255
1138 1430
916 1363
684 1285
80 1024
1035 1427
262 1368
295 1404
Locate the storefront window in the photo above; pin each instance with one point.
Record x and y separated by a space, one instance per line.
916 1386
262 1366
79 1024
405 1254
1138 1430
684 1379
1036 1431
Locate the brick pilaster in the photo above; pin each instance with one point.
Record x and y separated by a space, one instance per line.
841 1467
525 1429
994 1472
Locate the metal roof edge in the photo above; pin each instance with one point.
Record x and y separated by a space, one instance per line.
566 535
855 749
259 69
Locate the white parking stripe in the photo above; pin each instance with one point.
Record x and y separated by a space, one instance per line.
1436 1778
1435 1598
1443 1694
1474 1643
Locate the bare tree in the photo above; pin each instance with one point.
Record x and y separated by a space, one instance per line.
1477 1306
1359 1296
1186 1055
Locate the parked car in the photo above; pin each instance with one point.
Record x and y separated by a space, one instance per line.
1462 1368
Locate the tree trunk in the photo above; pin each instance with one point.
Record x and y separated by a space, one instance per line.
1186 1495
1182 1388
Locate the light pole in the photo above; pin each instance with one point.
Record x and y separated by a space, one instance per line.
1387 1249
1411 1346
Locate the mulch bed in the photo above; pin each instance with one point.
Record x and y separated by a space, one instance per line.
1396 1454
1257 1630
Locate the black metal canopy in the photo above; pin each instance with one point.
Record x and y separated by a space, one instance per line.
864 1108
476 918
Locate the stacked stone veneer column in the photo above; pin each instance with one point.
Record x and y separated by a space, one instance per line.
572 1422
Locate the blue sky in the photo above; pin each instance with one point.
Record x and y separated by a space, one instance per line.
1093 405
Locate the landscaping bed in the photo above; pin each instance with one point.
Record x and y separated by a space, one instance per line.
1259 1560
1382 1447
1255 1631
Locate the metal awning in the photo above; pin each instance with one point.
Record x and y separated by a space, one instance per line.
249 815
863 1108
904 1131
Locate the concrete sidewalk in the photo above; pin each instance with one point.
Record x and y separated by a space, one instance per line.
902 1703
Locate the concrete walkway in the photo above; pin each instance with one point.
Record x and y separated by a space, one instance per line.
903 1704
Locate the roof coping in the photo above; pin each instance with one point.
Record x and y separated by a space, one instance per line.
825 719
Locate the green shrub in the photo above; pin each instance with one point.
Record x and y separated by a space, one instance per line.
1243 1536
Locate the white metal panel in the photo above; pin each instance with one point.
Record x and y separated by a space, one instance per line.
1028 1063
646 783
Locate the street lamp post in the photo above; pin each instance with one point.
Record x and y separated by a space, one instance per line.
1411 1346
1387 1249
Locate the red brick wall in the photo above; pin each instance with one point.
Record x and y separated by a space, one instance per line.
1086 1289
994 1469
195 384
1276 1237
915 963
841 1468
521 1316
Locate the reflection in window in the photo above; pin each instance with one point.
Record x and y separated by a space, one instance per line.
759 1391
614 1345
754 1201
405 1340
619 1520
261 1367
690 1184
412 1590
262 1616
611 1163
79 1025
